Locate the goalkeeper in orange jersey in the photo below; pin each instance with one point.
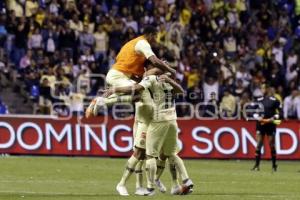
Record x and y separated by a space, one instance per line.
129 66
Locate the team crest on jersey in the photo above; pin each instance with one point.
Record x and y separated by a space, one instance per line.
143 135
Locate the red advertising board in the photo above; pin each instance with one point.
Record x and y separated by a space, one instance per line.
221 139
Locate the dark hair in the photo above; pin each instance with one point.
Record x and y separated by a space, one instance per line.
148 30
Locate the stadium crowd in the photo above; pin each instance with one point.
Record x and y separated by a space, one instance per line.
60 50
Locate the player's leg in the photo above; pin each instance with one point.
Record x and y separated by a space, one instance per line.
114 78
259 139
169 150
133 161
155 139
161 164
271 139
140 130
187 183
129 169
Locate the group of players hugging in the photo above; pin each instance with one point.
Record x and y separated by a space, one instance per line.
139 77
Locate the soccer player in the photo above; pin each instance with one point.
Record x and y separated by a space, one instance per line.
129 66
162 131
267 120
143 116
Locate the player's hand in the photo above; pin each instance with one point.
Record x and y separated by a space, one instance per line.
163 78
172 71
107 93
265 121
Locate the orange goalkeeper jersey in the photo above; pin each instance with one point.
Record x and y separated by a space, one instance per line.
128 60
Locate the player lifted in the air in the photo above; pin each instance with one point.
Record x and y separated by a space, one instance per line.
129 66
161 133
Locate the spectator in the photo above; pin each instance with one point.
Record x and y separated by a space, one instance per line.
35 40
210 109
210 86
101 43
67 39
291 106
291 66
31 7
235 45
3 108
77 25
54 7
86 39
26 60
228 104
21 33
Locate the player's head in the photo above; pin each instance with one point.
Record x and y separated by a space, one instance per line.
151 70
266 90
263 90
150 32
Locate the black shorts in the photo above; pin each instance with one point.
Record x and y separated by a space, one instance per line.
266 129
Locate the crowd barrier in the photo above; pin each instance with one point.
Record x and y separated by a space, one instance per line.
221 139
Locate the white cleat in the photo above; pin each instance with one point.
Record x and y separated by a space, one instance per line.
176 190
122 190
140 191
162 188
150 192
187 187
98 104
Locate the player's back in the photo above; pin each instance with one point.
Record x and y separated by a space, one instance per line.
128 60
163 100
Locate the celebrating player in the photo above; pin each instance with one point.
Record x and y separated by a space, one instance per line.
162 132
267 120
129 67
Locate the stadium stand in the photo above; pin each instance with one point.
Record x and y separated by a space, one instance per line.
223 49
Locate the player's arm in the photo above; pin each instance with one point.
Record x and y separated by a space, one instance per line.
144 48
161 64
176 87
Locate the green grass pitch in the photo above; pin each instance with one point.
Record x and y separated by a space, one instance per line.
95 178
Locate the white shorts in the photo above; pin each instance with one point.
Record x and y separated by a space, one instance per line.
140 132
115 78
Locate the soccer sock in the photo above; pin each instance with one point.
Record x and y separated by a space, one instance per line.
139 174
273 154
180 167
160 168
257 157
151 171
173 172
131 163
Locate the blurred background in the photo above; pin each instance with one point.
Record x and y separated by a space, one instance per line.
55 53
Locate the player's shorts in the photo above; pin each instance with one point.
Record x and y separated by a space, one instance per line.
266 129
140 134
115 78
161 138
